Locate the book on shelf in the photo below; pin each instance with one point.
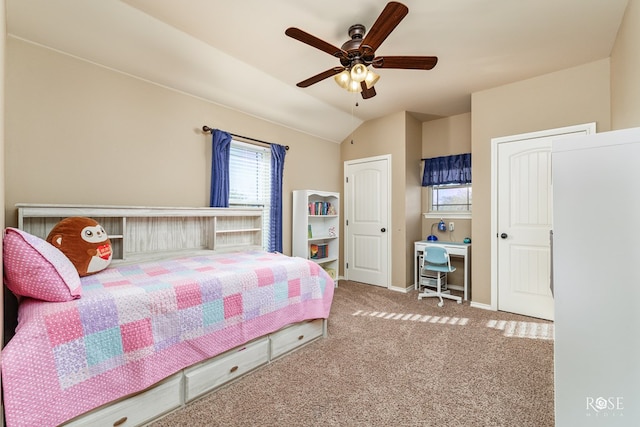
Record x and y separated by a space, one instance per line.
318 251
321 208
309 231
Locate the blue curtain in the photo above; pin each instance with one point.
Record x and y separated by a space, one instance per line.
454 169
278 153
220 169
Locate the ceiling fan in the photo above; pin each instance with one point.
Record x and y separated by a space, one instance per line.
358 53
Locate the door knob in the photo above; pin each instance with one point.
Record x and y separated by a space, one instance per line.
383 229
504 235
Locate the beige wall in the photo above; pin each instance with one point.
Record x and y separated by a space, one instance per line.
447 136
388 135
625 71
569 97
413 193
80 133
444 137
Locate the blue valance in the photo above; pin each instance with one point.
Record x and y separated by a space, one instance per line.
454 169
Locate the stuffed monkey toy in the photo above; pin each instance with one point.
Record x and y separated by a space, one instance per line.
84 242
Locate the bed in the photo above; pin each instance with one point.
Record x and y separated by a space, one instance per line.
189 303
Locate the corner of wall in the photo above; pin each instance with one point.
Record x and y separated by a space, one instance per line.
625 67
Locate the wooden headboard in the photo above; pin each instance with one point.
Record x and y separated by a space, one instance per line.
138 233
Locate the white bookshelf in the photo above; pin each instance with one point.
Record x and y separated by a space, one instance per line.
136 232
316 225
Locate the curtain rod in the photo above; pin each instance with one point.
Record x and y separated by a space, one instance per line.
206 129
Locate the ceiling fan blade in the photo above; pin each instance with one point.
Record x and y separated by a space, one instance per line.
405 62
389 19
313 41
319 77
367 92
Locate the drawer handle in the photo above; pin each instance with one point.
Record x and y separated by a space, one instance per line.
301 337
120 422
232 370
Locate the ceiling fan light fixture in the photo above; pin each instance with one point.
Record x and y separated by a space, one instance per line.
371 79
357 53
354 86
359 72
343 79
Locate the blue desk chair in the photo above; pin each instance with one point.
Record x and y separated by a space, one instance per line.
436 259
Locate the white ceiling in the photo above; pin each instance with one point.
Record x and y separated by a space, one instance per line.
235 53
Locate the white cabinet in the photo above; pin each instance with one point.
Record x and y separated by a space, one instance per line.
316 228
596 182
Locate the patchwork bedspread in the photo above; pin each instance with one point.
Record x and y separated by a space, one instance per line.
138 324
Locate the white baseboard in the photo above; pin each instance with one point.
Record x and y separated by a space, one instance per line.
482 306
399 289
391 288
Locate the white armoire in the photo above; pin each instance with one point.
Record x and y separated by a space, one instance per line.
596 279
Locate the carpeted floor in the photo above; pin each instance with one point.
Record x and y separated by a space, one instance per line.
391 360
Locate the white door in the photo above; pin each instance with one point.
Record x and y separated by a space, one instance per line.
524 221
367 213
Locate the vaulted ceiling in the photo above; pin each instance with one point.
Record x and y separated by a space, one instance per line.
237 54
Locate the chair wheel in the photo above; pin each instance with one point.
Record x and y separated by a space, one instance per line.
440 304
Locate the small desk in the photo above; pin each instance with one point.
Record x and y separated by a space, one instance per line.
455 249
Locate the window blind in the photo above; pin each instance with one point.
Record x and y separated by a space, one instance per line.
250 180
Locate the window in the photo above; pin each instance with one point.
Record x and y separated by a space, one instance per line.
448 179
451 198
250 181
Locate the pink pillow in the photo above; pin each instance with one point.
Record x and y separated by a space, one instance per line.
37 269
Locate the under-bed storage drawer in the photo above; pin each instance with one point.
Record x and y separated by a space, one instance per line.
294 336
225 367
138 409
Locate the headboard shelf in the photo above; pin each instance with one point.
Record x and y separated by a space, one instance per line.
141 232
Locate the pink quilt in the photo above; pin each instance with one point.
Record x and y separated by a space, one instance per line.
138 324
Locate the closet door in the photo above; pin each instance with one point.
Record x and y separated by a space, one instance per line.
367 203
523 213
